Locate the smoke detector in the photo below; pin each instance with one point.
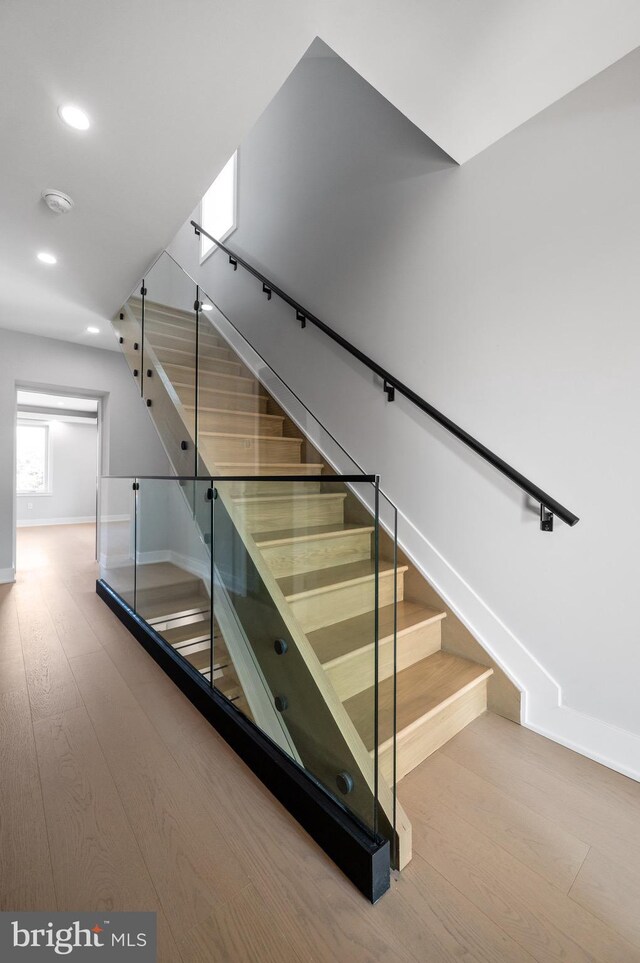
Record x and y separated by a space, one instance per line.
57 202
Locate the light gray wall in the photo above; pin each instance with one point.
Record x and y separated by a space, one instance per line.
505 292
73 451
130 443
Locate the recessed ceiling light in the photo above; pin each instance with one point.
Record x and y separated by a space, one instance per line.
207 307
46 258
74 117
92 330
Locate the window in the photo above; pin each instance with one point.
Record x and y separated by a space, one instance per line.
32 459
218 207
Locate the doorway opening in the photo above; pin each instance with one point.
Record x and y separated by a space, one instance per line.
57 461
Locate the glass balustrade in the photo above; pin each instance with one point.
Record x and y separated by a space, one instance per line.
279 592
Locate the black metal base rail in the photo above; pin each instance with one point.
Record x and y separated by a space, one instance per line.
390 384
363 858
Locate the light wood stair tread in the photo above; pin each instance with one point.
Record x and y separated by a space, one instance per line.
422 689
227 413
342 638
174 608
287 536
180 634
200 660
213 374
261 438
222 391
253 499
309 583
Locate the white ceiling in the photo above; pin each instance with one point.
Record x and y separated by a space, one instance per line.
172 88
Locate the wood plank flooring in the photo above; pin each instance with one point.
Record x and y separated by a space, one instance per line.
116 794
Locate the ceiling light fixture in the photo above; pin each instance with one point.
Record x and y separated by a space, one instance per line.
207 307
56 201
92 330
74 117
47 258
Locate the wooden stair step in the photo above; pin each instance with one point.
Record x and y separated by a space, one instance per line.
221 398
331 595
189 633
308 548
180 329
436 698
249 488
158 309
347 649
205 362
175 322
200 660
159 339
169 610
263 513
185 374
233 422
257 449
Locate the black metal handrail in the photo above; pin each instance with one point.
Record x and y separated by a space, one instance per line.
548 506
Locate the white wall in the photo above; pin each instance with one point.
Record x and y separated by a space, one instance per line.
73 466
130 443
505 292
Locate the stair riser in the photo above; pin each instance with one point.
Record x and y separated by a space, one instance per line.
240 423
265 516
414 746
355 672
344 602
212 380
248 451
233 401
313 554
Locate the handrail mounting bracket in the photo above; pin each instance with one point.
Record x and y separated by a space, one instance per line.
546 519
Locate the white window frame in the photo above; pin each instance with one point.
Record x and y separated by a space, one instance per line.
48 489
227 233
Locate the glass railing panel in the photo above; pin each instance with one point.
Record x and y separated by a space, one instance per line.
387 662
117 536
296 585
169 359
230 414
260 425
173 570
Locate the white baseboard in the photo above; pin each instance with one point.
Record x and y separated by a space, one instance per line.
7 575
609 745
33 522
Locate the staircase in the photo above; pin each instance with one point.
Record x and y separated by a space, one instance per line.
313 550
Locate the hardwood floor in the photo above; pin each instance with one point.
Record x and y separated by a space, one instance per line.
116 794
